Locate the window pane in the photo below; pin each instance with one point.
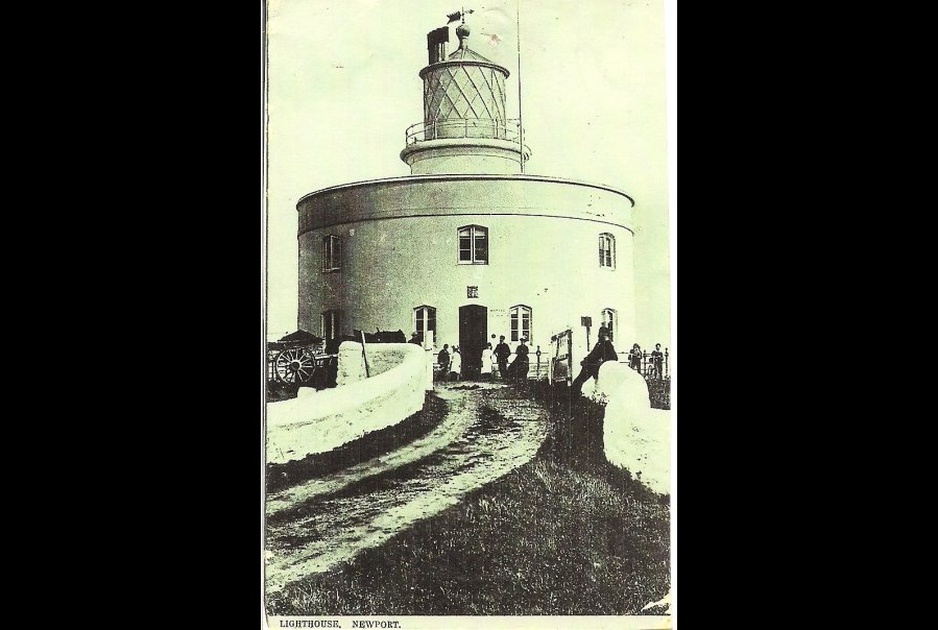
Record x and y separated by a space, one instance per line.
481 247
465 248
606 244
609 322
330 324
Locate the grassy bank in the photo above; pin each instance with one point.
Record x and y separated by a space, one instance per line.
565 534
659 392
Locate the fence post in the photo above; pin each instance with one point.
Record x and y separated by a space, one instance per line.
428 350
570 357
552 361
365 355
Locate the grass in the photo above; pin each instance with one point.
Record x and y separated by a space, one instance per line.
565 534
659 392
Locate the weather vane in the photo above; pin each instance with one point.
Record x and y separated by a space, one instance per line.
459 15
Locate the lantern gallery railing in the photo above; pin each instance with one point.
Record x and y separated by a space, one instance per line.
509 130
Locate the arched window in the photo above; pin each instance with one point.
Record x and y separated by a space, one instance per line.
331 324
425 321
607 250
331 253
473 245
610 322
520 320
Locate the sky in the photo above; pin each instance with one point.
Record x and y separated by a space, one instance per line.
343 85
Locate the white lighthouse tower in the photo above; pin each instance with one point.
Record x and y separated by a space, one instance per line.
465 128
467 246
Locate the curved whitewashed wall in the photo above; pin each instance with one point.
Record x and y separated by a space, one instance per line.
635 436
319 421
399 251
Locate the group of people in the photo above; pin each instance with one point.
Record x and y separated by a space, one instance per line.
655 365
450 363
604 351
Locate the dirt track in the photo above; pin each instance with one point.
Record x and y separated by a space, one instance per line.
321 523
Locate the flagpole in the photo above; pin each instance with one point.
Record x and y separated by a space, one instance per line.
520 120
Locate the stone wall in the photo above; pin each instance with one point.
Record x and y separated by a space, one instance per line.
635 436
319 421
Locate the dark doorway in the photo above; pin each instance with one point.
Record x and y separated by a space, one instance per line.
473 328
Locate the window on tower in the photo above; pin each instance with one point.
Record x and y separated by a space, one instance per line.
607 250
425 321
609 321
520 322
473 245
331 324
331 253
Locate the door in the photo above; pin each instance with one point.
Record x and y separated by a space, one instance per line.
473 328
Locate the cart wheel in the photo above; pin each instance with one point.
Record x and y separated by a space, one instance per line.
296 365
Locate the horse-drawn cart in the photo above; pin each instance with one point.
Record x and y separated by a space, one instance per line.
299 358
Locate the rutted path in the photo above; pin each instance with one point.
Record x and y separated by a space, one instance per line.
487 433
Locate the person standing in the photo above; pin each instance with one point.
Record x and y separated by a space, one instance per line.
657 361
502 352
519 367
455 365
603 351
487 359
442 361
635 358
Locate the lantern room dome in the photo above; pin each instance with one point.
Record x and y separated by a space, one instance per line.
464 53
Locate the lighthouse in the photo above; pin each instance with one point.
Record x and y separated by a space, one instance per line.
468 246
465 128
